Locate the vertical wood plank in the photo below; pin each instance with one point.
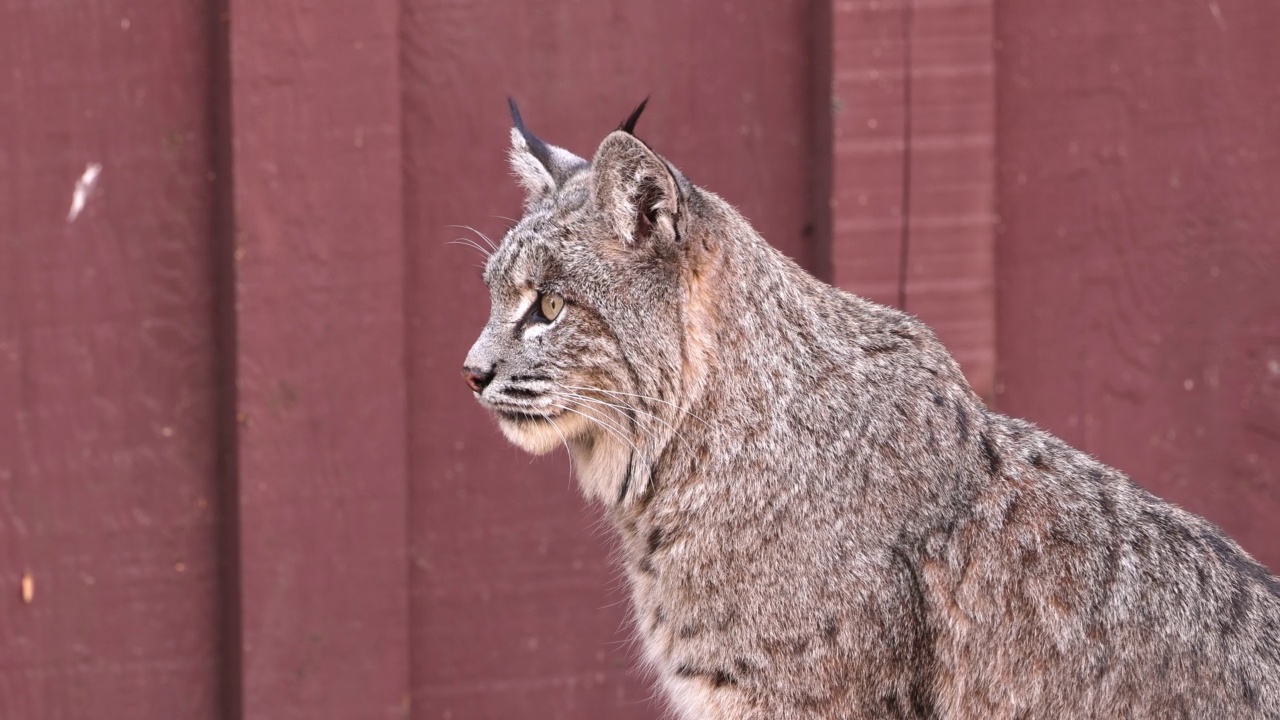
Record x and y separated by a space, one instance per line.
1140 244
949 276
868 102
912 193
319 340
822 138
108 491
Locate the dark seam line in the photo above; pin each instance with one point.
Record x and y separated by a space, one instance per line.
907 24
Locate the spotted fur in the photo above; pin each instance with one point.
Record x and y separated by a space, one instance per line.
818 517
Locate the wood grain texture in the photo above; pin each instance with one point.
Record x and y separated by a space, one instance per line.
949 275
869 102
517 610
108 495
913 185
1140 244
319 283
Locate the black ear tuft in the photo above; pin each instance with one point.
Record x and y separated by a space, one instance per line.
536 146
629 125
515 113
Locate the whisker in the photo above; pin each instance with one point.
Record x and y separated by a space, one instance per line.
471 244
640 429
616 432
489 241
468 243
598 401
642 397
604 419
608 428
565 442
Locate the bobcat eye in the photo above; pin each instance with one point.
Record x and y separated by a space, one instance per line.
550 306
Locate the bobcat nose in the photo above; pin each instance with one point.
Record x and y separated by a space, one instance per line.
477 380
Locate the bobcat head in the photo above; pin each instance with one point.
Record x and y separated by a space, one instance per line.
586 343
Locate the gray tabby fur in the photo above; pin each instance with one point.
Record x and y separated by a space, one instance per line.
818 517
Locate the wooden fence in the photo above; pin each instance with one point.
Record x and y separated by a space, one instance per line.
239 476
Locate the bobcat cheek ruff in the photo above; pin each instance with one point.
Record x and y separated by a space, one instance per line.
818 518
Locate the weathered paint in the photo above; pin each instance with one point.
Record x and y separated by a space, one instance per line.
271 212
913 188
110 593
318 281
1139 313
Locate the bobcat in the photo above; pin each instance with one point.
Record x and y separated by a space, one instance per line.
818 517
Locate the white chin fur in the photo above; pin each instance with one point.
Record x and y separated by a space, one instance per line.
600 470
540 438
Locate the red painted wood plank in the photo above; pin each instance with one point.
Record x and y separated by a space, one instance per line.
108 493
950 269
869 60
1140 314
913 187
517 611
319 278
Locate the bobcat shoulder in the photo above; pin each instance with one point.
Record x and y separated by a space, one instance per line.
818 517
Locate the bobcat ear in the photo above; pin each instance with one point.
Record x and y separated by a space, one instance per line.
540 168
636 191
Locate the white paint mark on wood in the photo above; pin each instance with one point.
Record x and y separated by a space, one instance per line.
84 186
1217 15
